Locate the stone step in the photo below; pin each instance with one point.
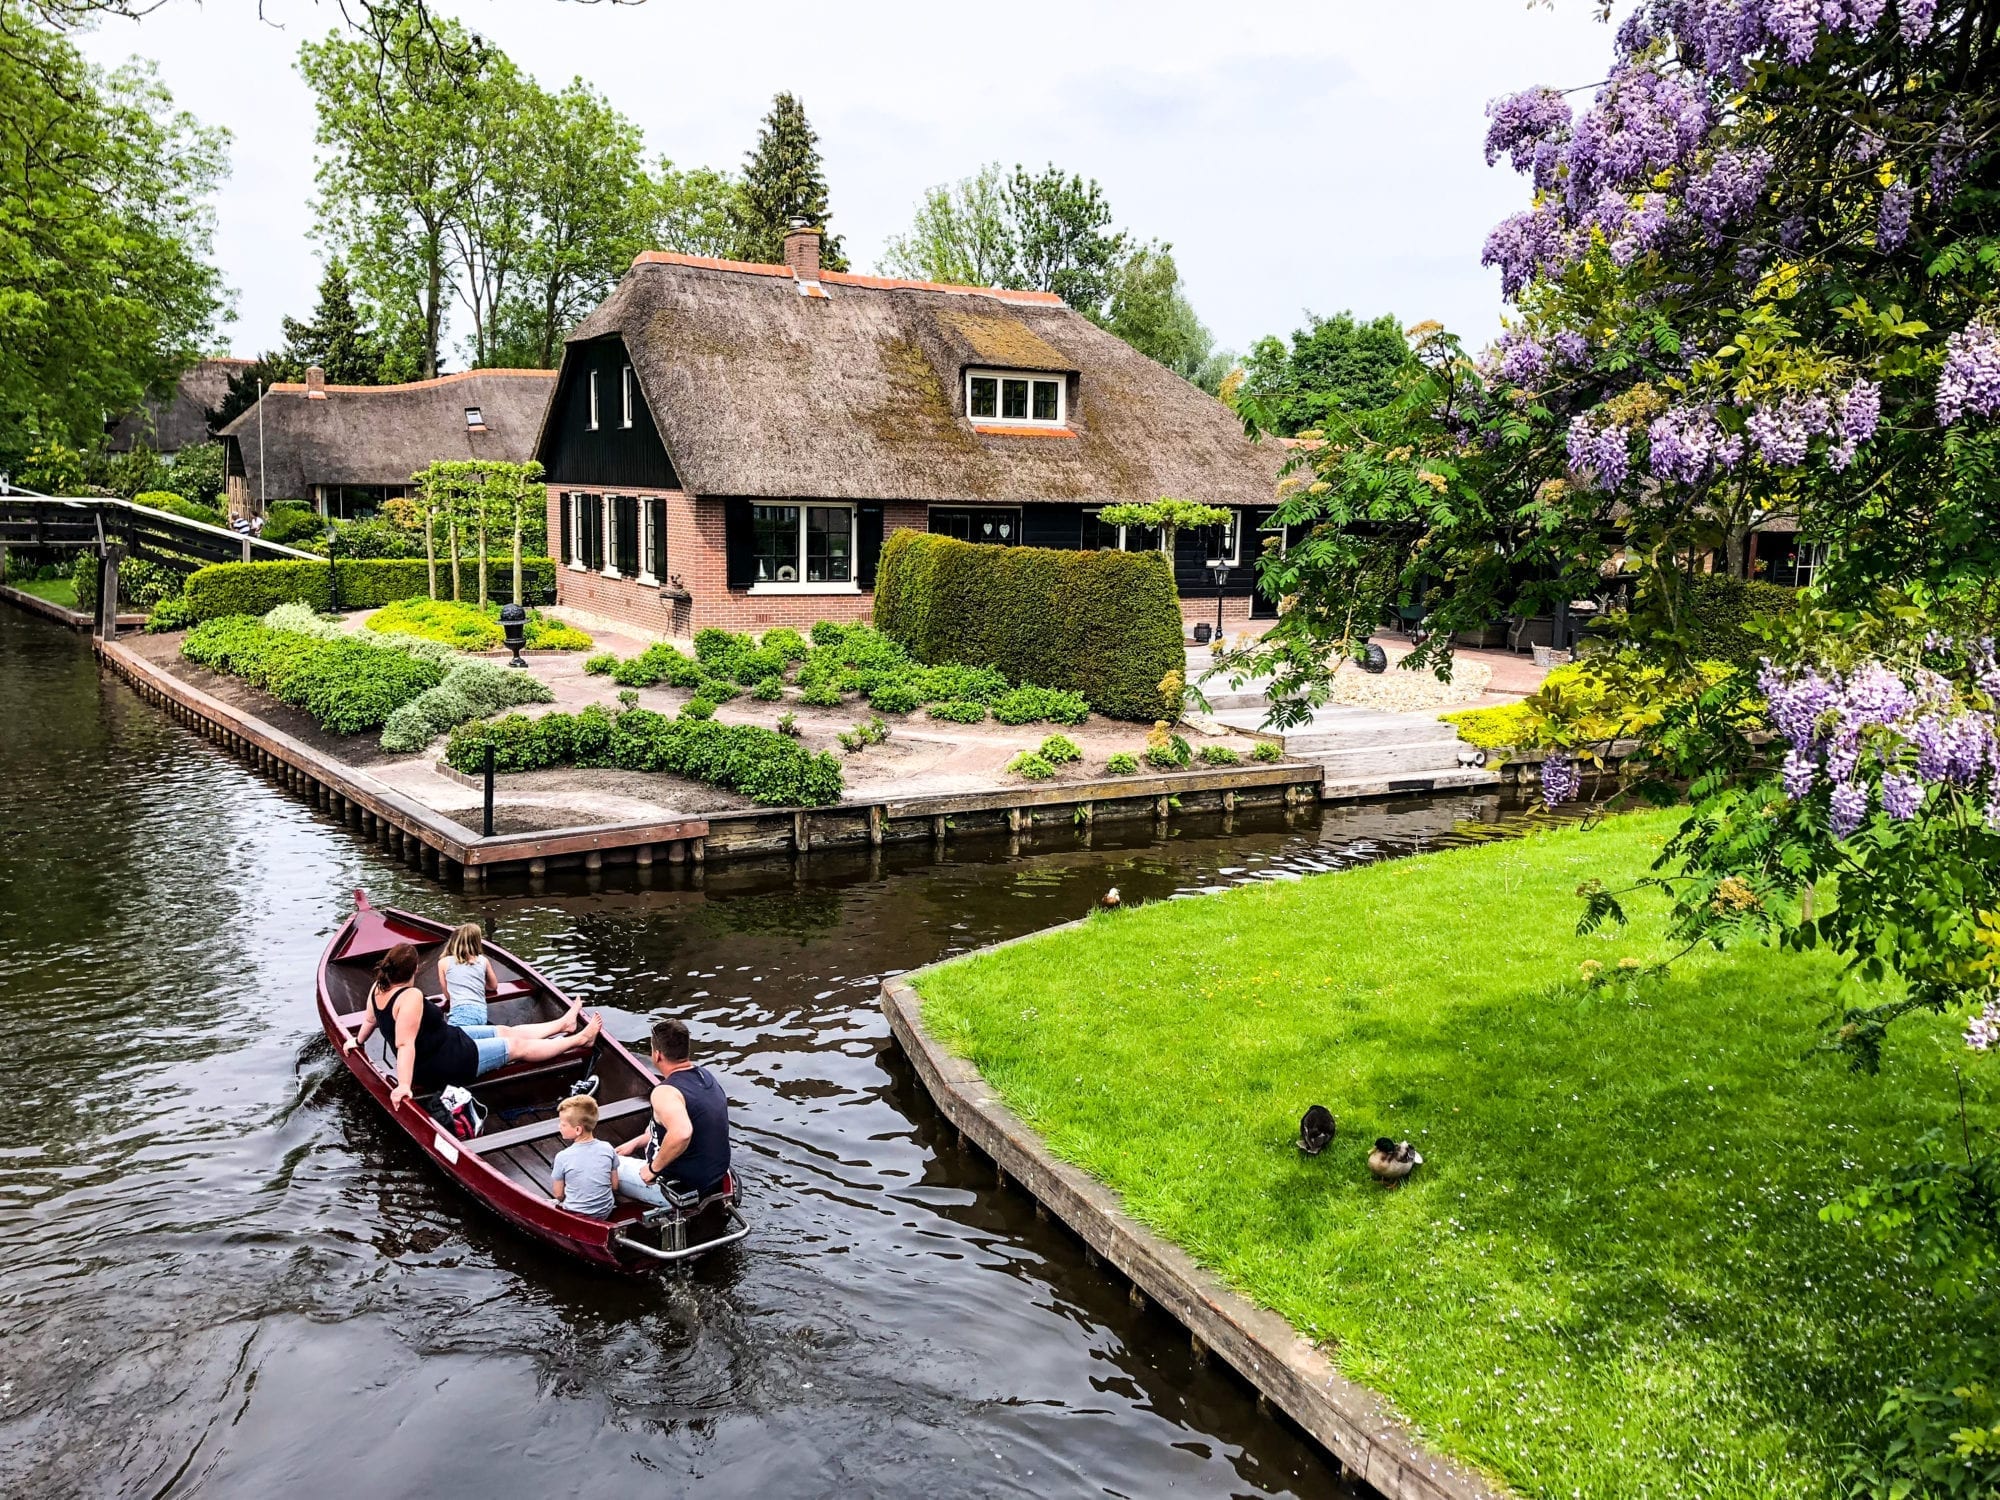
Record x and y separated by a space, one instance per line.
1347 787
1385 760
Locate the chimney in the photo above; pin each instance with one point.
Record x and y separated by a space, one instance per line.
802 250
315 383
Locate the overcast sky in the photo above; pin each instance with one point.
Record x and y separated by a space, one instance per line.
1298 156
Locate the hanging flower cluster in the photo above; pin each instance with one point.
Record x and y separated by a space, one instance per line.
1971 377
1562 779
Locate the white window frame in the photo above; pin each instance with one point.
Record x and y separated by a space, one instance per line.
1091 514
853 584
645 531
610 568
1233 554
1060 382
574 500
1812 557
625 397
593 401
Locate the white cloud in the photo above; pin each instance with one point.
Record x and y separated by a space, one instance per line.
1297 156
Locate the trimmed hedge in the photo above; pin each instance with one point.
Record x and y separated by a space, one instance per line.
767 767
365 583
1720 606
1106 625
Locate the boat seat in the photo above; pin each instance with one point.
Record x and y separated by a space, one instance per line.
510 989
500 1140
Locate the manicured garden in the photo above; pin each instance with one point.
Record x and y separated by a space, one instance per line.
1610 1277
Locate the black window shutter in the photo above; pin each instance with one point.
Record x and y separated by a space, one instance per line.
593 532
657 563
562 509
739 544
869 524
626 508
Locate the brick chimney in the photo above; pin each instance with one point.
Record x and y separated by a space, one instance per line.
802 250
315 383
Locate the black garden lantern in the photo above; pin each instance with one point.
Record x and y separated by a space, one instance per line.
514 630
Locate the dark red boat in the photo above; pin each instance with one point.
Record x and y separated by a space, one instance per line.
506 1166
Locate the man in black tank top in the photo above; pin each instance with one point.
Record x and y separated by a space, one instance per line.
688 1144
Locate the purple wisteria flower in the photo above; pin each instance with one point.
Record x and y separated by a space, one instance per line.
1798 774
1947 162
1782 433
1523 361
1562 779
1526 243
1983 1030
1529 129
1572 348
1902 796
1686 444
1848 808
1918 16
1892 220
1600 446
1727 189
1857 414
1970 380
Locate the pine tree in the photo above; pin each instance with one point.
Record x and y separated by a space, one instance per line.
336 339
784 181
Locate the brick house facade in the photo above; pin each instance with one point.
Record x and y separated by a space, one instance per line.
729 444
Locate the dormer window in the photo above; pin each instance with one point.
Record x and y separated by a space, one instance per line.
1025 400
474 417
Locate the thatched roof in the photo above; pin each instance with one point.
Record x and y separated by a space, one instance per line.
759 391
181 421
382 434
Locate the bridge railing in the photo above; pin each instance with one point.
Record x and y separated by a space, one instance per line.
29 520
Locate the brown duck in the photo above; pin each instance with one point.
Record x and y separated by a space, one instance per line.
1392 1161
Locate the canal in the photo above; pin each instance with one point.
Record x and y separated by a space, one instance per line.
225 1274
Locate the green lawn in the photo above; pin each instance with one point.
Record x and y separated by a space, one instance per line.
56 590
1608 1278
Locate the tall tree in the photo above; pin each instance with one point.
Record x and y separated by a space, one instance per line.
1336 364
963 234
693 212
489 232
783 181
585 179
398 160
106 290
337 338
1063 239
1150 310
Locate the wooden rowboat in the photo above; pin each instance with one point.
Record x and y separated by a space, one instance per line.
506 1166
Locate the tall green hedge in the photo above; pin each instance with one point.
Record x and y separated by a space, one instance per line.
1721 605
365 583
1103 624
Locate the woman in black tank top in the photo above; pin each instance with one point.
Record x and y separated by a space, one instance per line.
430 1053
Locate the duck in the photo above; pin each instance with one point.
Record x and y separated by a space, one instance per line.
1109 899
1392 1161
1316 1130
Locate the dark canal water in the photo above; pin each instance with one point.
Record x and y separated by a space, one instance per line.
224 1275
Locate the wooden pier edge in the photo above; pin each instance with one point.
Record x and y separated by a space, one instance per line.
1352 1422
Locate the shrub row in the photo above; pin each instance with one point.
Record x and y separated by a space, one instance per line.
470 628
762 764
346 684
365 583
1105 625
472 689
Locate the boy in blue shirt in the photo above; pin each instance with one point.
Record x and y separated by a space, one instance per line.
580 1178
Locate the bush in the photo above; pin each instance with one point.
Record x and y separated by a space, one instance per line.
469 628
174 505
83 579
1122 764
288 521
770 690
788 643
1032 766
1720 606
826 633
697 708
821 695
958 713
1166 751
199 472
960 684
1501 727
1030 705
718 689
762 764
601 664
346 683
545 634
365 583
896 696
1267 752
470 690
658 663
1219 755
1105 625
171 613
1059 750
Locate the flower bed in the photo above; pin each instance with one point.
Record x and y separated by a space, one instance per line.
470 628
346 683
765 766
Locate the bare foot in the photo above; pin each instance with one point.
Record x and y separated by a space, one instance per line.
575 1015
588 1036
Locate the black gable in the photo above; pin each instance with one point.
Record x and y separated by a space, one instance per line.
612 454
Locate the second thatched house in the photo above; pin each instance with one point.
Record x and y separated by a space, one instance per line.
727 443
344 449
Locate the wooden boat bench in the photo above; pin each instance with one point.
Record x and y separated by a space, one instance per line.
500 1140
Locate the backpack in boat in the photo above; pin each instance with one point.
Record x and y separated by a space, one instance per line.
460 1113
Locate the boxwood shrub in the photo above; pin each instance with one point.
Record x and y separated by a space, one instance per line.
1029 705
365 583
1105 625
472 689
762 764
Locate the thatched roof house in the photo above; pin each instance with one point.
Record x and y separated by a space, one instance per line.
180 421
345 449
725 438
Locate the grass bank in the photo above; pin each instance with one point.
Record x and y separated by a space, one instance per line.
60 591
1609 1277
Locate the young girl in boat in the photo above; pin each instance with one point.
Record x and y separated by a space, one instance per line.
431 1053
465 976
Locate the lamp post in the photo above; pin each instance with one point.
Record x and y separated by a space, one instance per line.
514 630
1219 570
